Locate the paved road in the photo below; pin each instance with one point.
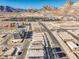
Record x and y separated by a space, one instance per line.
51 36
49 49
56 39
76 38
67 50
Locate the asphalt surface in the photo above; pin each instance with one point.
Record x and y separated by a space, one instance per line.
51 36
55 42
49 51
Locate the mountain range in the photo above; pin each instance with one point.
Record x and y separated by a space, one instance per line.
10 9
67 9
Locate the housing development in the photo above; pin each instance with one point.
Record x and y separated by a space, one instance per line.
48 33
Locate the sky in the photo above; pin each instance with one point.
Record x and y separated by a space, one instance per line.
25 4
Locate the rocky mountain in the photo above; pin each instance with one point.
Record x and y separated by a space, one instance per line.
70 8
49 10
10 9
